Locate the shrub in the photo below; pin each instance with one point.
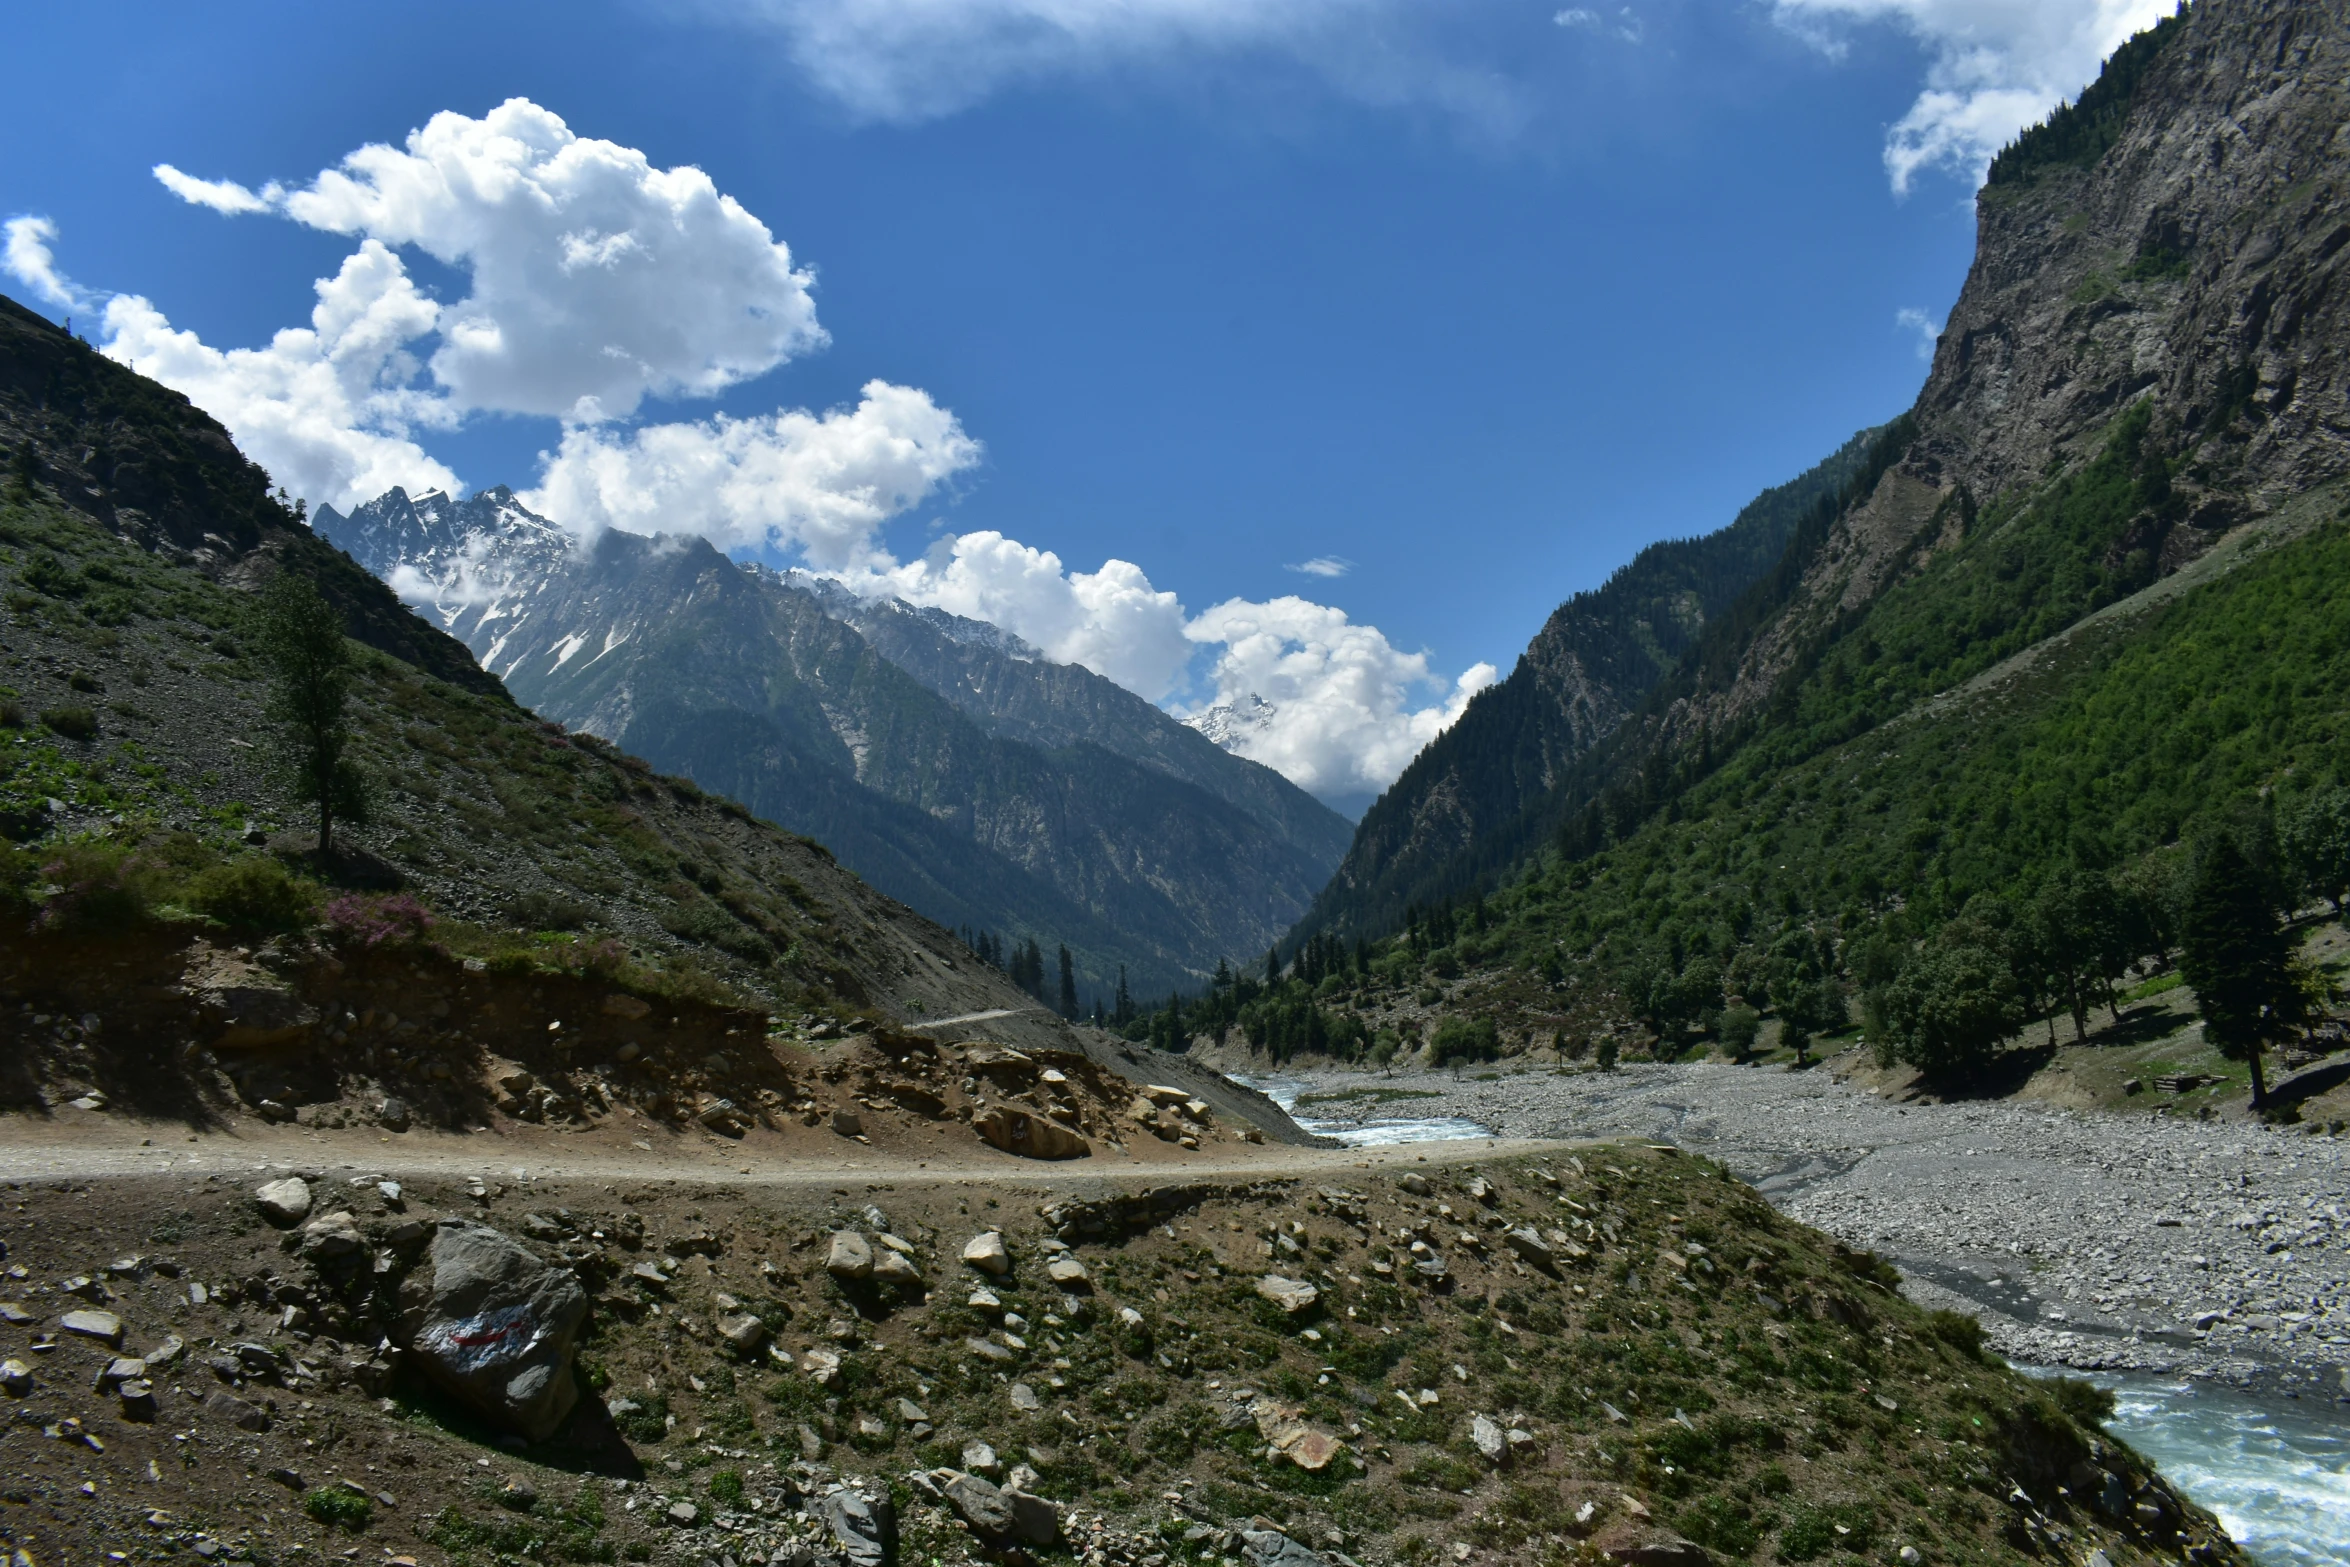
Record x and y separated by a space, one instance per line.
337 1508
2085 1403
1718 1524
550 911
1464 1039
727 1486
252 892
74 723
101 888
11 712
370 920
1960 1331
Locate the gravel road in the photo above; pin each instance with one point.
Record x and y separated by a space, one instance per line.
2101 1242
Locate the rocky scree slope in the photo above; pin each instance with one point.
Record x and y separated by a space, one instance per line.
941 759
1620 1355
132 536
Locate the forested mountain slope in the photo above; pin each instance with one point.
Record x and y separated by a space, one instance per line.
1484 791
136 766
2082 606
941 759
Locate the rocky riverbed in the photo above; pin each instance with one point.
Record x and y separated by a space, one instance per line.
2101 1242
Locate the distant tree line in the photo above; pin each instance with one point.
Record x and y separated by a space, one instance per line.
1023 962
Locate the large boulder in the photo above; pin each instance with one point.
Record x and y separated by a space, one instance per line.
495 1327
1030 1136
1002 1517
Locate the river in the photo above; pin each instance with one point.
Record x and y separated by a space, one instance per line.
2276 1472
1364 1131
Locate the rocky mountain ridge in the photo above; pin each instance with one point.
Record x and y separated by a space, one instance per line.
2148 353
942 759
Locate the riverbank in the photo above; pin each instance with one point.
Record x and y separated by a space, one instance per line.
2101 1242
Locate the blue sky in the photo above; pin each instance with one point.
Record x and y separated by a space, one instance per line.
1465 300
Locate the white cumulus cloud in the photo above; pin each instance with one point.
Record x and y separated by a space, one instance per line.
1994 66
820 483
597 278
30 261
1112 620
1349 709
328 409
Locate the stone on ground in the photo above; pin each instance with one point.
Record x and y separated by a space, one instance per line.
1294 1296
987 1254
1030 1136
1001 1518
103 1326
495 1327
862 1528
284 1203
850 1258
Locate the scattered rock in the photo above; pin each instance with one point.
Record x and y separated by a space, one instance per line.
332 1238
16 1316
284 1203
1294 1296
16 1378
1285 1430
1416 1183
1490 1439
1272 1548
1030 1136
103 1326
495 1326
234 1410
1531 1248
393 1114
1024 1399
632 1008
862 1528
683 1514
987 1253
850 1257
848 1123
980 1459
1068 1272
743 1333
895 1268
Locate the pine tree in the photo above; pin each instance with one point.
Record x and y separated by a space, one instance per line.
311 668
1068 984
2236 956
1124 1013
1272 966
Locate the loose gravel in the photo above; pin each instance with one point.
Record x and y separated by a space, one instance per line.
2100 1242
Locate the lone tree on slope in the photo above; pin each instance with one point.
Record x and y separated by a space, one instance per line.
2234 953
310 665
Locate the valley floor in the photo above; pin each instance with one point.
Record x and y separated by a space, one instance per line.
2098 1241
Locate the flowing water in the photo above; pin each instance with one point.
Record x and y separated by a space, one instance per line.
2275 1472
1358 1123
